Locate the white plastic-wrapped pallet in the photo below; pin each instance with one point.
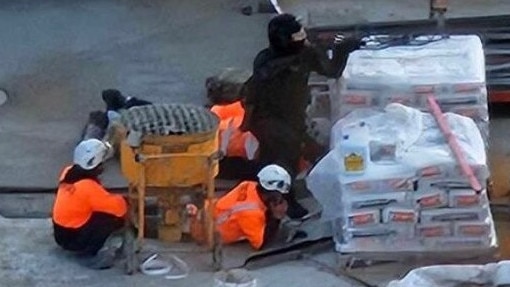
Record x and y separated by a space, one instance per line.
453 69
417 202
412 195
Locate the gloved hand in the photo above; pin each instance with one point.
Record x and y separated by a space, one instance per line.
349 44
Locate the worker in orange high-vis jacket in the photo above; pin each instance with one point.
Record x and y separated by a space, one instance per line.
85 214
238 148
253 210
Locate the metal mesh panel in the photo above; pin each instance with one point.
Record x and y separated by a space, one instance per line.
169 119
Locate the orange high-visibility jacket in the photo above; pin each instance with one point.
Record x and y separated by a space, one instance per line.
75 203
232 113
240 214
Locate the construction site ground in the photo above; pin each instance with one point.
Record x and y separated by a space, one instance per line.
57 56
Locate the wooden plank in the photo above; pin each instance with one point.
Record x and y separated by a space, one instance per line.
417 259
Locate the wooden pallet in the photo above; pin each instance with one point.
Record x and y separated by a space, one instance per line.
466 256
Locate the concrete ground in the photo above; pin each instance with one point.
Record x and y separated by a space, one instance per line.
57 56
30 258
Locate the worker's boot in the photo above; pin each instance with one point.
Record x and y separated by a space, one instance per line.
105 257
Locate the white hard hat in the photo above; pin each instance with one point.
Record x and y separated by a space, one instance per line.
88 154
274 177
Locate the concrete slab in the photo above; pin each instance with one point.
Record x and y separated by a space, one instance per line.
29 257
57 57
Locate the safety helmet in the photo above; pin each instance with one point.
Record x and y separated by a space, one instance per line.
274 178
88 154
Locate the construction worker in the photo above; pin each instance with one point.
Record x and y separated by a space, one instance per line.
253 210
277 93
238 148
85 214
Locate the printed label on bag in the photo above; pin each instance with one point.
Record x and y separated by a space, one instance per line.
430 201
473 230
359 185
356 99
362 219
467 200
401 216
430 171
433 231
354 162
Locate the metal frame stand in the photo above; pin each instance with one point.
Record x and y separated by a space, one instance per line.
137 193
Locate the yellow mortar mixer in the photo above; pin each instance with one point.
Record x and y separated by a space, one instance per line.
171 151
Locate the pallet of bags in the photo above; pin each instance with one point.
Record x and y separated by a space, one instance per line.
452 69
451 212
375 214
398 187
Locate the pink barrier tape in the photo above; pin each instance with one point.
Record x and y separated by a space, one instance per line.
453 143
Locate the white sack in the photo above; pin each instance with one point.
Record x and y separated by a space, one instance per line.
492 274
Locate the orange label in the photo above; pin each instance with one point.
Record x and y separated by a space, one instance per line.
472 230
362 219
467 200
424 89
432 231
360 185
465 87
402 216
398 183
356 99
430 201
430 171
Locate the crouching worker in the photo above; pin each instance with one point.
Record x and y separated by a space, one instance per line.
253 210
85 215
238 148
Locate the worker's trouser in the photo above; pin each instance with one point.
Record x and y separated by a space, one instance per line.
238 168
89 238
279 143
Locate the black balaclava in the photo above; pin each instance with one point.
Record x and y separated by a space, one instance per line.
280 30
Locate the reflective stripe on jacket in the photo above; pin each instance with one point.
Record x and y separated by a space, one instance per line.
240 214
75 203
231 117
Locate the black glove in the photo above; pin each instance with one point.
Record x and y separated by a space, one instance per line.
348 44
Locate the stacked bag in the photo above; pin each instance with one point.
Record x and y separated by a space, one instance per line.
390 181
451 69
